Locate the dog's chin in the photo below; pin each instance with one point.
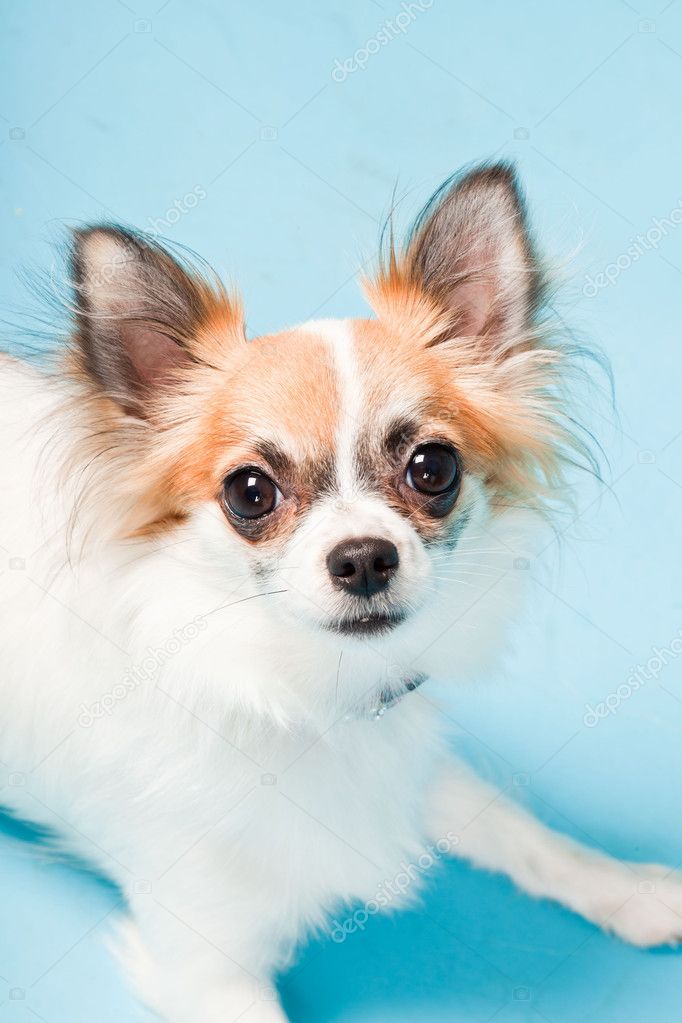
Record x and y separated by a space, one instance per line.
367 625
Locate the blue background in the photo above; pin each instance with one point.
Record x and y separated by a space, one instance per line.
120 110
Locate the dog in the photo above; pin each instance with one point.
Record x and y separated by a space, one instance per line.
233 566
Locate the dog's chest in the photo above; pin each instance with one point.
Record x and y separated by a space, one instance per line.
335 818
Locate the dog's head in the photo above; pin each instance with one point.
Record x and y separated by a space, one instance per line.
349 469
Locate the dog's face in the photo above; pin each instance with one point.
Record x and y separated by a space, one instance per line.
343 465
345 475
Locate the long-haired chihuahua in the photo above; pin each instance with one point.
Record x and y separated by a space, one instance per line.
232 566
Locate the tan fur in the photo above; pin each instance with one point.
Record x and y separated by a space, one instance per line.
279 389
501 414
164 441
283 388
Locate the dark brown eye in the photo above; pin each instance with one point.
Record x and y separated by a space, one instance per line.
433 469
250 494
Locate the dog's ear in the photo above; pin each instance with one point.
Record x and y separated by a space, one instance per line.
470 253
138 311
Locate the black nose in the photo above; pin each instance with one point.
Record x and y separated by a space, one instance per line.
364 566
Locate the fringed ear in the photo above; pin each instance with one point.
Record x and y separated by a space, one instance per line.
138 314
469 254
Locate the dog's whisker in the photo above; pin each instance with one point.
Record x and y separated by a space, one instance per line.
242 600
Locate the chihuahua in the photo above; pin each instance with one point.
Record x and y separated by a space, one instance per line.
233 563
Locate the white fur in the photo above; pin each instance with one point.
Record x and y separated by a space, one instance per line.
339 336
214 755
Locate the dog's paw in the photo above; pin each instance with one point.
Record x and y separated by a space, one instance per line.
651 912
183 990
248 1004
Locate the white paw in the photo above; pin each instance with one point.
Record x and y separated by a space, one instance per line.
231 1007
262 1006
261 1013
650 913
181 990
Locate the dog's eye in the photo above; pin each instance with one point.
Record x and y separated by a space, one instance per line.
433 469
250 494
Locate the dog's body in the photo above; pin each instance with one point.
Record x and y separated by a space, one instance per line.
229 569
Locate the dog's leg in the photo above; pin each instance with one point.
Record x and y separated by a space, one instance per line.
187 981
183 979
641 903
199 947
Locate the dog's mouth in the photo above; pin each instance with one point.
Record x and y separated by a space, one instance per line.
366 625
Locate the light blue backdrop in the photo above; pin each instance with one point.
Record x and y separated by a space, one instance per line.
269 137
